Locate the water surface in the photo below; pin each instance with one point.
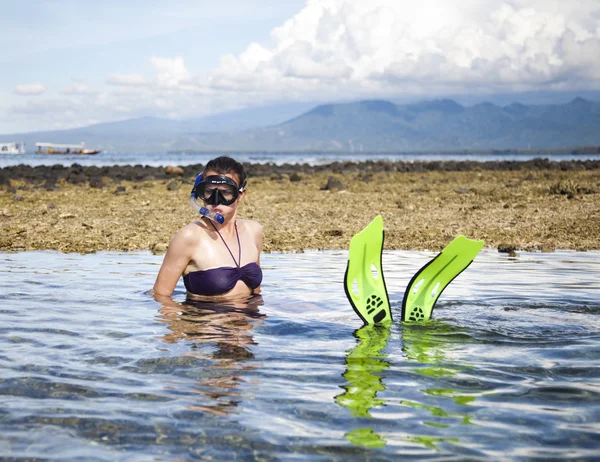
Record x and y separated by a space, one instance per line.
92 368
183 159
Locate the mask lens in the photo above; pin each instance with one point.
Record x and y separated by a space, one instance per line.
206 190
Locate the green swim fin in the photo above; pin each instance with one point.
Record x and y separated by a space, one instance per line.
363 282
427 285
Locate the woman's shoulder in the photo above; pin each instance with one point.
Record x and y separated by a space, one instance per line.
192 232
251 225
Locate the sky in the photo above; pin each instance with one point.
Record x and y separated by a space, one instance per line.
72 63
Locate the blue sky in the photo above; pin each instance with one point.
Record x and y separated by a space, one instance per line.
73 63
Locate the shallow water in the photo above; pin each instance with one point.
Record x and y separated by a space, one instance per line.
164 159
92 368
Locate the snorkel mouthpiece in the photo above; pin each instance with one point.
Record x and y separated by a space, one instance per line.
214 216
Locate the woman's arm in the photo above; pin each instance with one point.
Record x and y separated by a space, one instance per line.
175 262
258 238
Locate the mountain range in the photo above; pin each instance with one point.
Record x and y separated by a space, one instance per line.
365 126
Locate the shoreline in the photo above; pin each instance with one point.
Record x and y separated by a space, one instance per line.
536 205
77 173
576 150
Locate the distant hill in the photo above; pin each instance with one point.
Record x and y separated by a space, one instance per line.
377 125
155 134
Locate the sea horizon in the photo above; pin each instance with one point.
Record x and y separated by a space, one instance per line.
158 159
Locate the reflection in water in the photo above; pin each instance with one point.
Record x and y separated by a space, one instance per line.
426 343
366 363
363 362
228 328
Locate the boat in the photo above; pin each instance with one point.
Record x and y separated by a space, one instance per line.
52 148
12 148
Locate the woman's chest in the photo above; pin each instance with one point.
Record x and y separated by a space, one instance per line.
224 252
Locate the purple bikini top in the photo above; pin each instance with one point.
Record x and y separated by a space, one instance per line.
217 281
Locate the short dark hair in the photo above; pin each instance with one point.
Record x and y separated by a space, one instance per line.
226 164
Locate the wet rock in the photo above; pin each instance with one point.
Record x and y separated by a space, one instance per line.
333 184
295 177
565 187
77 174
511 250
97 182
50 185
172 170
77 178
161 247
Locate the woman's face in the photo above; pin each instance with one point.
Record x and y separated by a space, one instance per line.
225 190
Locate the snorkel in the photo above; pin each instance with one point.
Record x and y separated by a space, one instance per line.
215 216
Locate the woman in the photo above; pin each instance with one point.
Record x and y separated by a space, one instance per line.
218 259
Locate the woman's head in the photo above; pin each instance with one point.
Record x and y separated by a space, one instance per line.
220 186
225 165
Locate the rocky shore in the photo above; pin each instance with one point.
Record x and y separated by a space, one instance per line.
511 205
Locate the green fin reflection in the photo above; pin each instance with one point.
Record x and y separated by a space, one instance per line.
364 365
365 437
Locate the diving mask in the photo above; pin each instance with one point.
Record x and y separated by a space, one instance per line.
216 190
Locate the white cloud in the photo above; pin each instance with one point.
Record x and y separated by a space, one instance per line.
28 89
134 80
396 46
170 71
79 89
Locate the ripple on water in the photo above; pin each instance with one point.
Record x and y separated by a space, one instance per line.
42 388
509 368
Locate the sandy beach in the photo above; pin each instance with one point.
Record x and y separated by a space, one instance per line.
516 206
